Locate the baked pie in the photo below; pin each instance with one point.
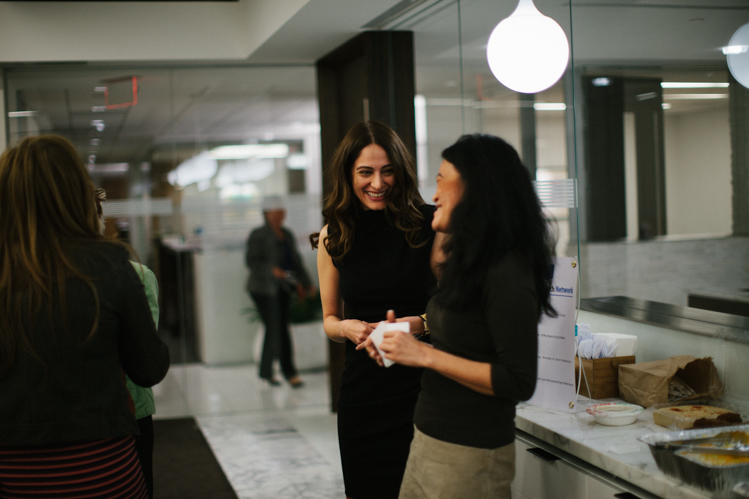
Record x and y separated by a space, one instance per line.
684 416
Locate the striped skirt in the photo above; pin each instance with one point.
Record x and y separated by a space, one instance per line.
106 468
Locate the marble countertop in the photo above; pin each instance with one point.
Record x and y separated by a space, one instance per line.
614 449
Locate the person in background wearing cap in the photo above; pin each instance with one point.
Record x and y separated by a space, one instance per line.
276 272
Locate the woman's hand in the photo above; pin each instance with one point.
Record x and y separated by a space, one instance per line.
305 292
355 330
371 349
279 273
416 325
406 350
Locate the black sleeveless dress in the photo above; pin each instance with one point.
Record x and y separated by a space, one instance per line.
376 404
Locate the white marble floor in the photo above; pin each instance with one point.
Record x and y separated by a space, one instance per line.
272 442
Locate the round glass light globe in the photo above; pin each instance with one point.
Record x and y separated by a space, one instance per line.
738 63
528 53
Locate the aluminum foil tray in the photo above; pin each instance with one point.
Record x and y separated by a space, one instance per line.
718 478
672 461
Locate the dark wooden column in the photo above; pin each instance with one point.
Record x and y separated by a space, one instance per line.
644 98
739 116
528 132
606 101
606 211
369 77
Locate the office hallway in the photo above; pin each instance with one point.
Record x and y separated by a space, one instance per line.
271 442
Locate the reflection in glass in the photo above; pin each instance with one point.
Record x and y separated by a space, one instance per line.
196 227
737 55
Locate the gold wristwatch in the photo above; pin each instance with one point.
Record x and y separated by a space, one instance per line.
418 336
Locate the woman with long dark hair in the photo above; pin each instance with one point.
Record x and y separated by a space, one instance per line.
374 254
494 287
74 319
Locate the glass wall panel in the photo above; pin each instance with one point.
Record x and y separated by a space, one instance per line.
648 125
648 122
241 135
660 145
461 95
440 112
186 156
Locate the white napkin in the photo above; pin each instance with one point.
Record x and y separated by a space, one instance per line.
584 339
377 336
583 332
600 345
624 344
593 349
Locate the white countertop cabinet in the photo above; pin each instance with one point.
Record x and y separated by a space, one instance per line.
594 461
602 462
543 471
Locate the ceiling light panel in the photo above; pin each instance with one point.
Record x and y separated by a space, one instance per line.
694 96
22 114
693 84
246 151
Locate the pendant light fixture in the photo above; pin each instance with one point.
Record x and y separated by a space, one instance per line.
737 55
528 52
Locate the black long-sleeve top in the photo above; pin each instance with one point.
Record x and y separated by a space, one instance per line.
78 393
501 329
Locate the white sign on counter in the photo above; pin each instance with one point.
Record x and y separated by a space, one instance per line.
555 387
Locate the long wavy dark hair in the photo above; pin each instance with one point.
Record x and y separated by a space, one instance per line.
341 204
46 206
498 213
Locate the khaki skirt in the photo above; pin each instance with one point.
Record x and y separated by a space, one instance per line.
442 470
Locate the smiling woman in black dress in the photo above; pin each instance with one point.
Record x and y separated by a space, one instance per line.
375 255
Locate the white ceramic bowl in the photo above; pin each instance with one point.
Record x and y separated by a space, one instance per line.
615 414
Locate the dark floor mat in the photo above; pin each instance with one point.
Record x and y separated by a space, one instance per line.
184 466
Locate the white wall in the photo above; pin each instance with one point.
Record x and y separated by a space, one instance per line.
444 126
698 173
551 140
698 164
664 271
504 123
138 31
224 335
630 176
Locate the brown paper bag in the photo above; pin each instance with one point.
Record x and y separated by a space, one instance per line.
646 383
